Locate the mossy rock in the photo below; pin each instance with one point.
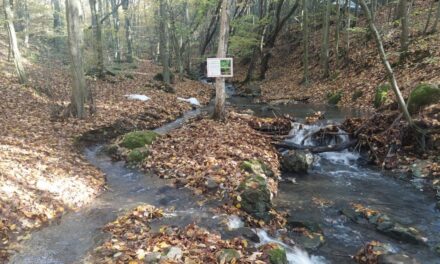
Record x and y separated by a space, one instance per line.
423 95
357 94
334 98
111 149
138 139
137 155
257 167
277 256
227 255
381 95
256 197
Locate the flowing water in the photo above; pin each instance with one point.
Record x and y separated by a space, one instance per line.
336 180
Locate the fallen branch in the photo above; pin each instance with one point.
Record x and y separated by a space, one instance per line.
316 149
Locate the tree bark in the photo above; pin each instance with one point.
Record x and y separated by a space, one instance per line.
404 21
220 93
80 93
116 25
9 16
128 33
97 43
306 41
164 42
387 65
437 18
325 41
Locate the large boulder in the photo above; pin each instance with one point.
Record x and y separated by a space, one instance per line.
297 161
257 167
256 197
423 95
228 255
277 255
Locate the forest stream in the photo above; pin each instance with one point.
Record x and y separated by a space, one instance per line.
336 180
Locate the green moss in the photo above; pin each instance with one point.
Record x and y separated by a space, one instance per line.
277 256
334 98
423 95
381 94
357 94
256 167
137 155
111 149
138 139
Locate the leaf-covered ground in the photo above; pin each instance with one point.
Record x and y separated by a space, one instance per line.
206 150
132 241
42 173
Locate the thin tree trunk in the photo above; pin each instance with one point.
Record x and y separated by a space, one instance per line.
428 21
9 16
26 23
387 65
347 36
220 93
164 42
128 33
437 18
404 21
337 33
80 94
97 43
306 41
116 25
325 41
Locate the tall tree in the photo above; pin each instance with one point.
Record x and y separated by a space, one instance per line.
164 41
386 63
9 15
437 18
80 92
220 93
128 33
116 24
306 41
404 21
325 40
97 35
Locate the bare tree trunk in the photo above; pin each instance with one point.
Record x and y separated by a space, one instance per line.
404 21
431 10
437 18
97 43
80 93
347 29
387 65
164 42
306 41
337 33
116 25
9 15
128 35
220 93
325 41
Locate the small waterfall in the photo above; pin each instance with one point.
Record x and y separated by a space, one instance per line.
301 135
295 255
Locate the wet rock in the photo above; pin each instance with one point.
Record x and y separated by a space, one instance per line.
257 167
111 149
138 139
211 184
255 197
227 255
437 248
437 205
244 232
401 233
352 215
423 95
174 253
396 259
310 241
420 169
152 258
293 222
297 161
277 256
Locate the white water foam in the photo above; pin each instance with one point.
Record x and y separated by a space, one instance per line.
191 100
235 222
138 97
295 255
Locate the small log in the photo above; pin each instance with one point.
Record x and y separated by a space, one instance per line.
316 149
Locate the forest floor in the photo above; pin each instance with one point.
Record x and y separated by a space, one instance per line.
43 173
357 75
